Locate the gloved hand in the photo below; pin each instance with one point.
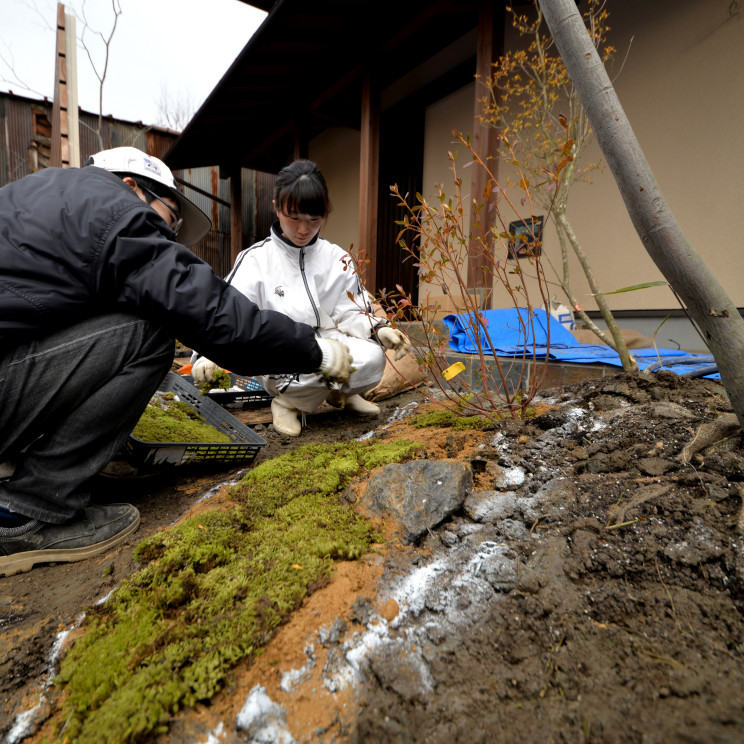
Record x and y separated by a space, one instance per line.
392 338
203 371
336 364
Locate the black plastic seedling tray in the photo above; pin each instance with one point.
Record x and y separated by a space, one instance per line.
251 392
243 449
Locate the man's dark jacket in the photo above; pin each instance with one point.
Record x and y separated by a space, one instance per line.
78 242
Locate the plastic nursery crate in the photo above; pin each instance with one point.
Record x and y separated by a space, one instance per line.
251 392
243 449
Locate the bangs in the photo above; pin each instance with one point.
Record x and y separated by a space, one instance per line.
304 196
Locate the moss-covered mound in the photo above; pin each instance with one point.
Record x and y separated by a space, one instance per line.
212 591
169 420
447 418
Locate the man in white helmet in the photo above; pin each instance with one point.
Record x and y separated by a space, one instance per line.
95 286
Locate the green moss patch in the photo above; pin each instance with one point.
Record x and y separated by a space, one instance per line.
213 590
169 420
221 380
446 418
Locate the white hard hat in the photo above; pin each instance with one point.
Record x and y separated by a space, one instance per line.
131 161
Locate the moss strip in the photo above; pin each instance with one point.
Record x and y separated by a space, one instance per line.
213 590
169 420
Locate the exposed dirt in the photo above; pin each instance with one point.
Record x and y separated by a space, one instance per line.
590 589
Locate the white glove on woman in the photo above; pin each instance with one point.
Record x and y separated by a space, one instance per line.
392 338
203 371
336 364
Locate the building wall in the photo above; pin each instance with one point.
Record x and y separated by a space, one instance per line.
681 89
677 74
336 153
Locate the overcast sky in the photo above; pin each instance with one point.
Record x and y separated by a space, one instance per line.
174 48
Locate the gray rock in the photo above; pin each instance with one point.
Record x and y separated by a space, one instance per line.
700 545
498 566
449 538
654 465
419 494
491 506
330 636
513 529
403 671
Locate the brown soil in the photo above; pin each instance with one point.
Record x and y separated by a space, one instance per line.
595 596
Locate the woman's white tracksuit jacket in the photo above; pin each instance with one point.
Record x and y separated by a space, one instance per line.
316 284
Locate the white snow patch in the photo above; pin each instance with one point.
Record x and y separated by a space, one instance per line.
23 725
215 737
263 720
514 476
26 721
295 677
449 588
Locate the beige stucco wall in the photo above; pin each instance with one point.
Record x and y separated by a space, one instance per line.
682 91
681 88
680 85
336 152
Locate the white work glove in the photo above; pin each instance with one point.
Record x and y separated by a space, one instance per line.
392 338
336 364
203 371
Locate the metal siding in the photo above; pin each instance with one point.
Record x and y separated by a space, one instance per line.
4 142
264 214
17 134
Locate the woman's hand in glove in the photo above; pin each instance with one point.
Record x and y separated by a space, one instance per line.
203 371
336 364
392 338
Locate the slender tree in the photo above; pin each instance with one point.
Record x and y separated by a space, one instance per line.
99 63
534 106
707 303
101 68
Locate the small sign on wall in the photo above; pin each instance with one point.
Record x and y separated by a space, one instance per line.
526 240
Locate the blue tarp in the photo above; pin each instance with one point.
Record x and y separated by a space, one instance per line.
512 334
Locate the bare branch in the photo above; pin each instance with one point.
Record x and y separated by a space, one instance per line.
100 71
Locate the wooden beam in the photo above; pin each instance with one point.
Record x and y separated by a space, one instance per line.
369 177
73 120
60 151
490 47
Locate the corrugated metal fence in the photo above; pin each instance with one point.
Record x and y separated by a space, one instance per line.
25 145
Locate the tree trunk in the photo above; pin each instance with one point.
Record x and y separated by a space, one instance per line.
707 302
618 342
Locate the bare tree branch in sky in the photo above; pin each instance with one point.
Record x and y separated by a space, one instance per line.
175 111
100 70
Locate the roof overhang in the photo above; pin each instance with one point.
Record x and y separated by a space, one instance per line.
302 73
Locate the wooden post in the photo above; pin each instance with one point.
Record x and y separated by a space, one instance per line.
489 48
73 131
60 151
369 176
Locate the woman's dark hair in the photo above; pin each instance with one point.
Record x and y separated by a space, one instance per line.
301 189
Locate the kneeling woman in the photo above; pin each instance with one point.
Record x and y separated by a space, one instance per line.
296 272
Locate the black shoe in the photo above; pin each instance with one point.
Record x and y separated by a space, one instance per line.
95 530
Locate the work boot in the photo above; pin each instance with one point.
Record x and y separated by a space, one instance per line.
92 531
361 405
286 417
